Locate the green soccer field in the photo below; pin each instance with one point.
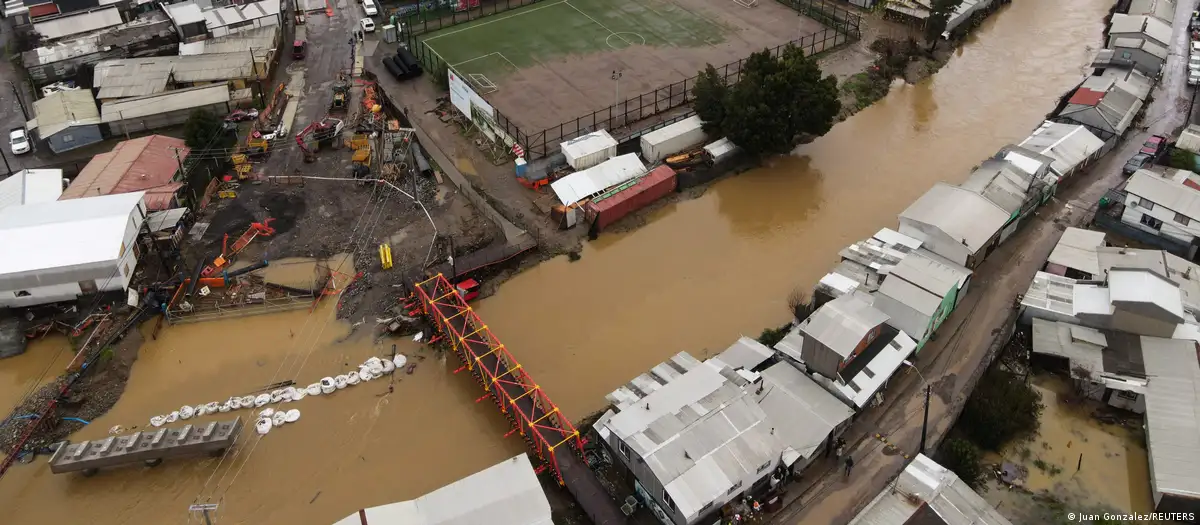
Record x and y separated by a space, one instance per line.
487 49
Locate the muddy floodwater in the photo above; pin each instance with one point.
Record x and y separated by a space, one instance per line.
700 273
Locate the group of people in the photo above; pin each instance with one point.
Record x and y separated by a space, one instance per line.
839 451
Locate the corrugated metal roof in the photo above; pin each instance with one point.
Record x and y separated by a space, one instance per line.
1052 293
1055 338
593 142
801 412
236 14
136 77
842 323
961 214
1172 420
936 277
1000 182
261 41
157 104
926 485
143 164
1090 299
1076 249
507 493
583 184
1140 286
80 23
1165 192
862 387
745 353
1067 144
165 219
31 187
1149 26
1162 9
184 13
65 109
62 234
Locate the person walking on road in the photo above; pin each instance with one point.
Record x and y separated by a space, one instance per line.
849 465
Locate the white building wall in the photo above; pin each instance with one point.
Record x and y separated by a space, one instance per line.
902 316
1170 227
936 241
40 295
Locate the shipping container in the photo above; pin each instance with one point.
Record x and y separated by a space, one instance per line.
721 150
589 150
662 143
583 184
611 207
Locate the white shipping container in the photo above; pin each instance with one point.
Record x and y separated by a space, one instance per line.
662 143
721 150
589 150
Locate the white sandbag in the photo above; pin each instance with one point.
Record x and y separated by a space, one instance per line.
293 415
388 366
267 412
172 417
352 378
299 393
201 410
247 401
235 403
314 389
340 381
186 412
365 375
328 385
157 421
400 360
261 400
288 394
276 396
263 426
212 407
279 419
418 337
224 407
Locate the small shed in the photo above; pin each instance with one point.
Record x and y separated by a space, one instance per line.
67 120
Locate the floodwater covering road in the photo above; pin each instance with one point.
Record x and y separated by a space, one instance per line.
698 274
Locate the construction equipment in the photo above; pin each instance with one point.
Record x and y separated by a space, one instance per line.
227 253
321 133
341 96
385 256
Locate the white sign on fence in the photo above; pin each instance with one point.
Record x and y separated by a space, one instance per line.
463 98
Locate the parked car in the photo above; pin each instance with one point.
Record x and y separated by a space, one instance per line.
298 49
1193 77
1137 162
58 86
242 115
368 25
18 140
1154 146
1194 61
369 8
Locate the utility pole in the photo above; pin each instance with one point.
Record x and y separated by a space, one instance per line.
616 76
204 508
19 101
925 421
178 161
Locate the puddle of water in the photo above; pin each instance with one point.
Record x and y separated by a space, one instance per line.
308 273
465 166
1115 470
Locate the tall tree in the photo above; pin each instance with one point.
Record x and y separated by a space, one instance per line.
775 101
939 15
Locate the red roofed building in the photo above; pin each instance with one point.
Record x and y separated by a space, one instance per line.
147 164
1108 100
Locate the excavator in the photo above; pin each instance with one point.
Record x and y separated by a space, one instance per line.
321 133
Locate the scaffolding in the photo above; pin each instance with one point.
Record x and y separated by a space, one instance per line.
539 421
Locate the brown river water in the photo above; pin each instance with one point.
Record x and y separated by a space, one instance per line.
697 275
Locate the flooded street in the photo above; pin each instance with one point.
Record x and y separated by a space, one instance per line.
700 273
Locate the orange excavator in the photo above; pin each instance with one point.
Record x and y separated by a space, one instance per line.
321 133
256 230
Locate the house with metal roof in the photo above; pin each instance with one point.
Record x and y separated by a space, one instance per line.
1076 254
1161 9
927 493
235 18
31 186
160 110
1105 365
865 264
958 224
1164 203
147 164
841 331
68 248
1015 185
1141 27
139 77
261 41
507 493
78 23
67 120
1108 100
919 293
148 34
1173 424
1071 147
697 435
1142 55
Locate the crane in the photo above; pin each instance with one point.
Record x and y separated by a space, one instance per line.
323 132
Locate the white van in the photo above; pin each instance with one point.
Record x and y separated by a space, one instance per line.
369 7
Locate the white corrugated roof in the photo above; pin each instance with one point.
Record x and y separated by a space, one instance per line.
1090 299
745 353
860 388
165 219
261 41
1052 293
801 412
998 181
842 323
80 23
1076 249
1173 415
66 233
1056 338
923 482
593 142
137 77
138 107
1146 25
184 13
963 215
583 184
235 14
507 493
1139 286
1165 192
65 109
31 187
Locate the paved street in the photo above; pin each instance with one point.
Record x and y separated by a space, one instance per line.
10 110
824 495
